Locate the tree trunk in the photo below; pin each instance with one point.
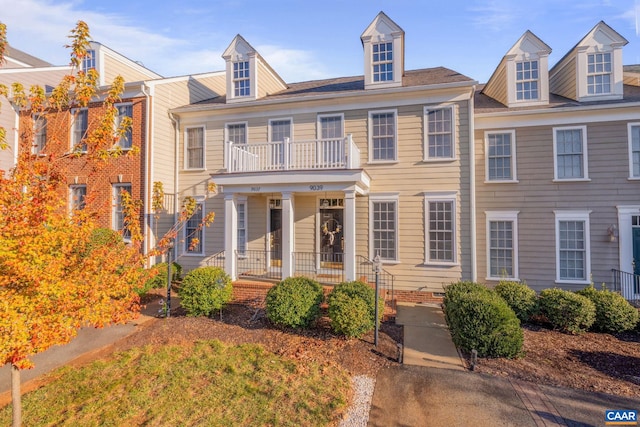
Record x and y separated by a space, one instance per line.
16 403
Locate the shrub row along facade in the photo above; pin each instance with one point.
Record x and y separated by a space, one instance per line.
533 176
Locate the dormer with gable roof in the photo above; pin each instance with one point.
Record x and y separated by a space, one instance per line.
592 70
522 77
383 43
110 64
249 77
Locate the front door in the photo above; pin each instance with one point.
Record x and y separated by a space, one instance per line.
331 238
275 237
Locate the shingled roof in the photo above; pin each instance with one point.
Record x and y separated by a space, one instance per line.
18 55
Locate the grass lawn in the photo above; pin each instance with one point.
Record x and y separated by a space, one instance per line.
207 383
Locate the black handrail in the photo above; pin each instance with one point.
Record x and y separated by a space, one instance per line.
627 284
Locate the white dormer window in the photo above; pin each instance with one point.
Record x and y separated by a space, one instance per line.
89 61
382 62
598 73
527 80
241 79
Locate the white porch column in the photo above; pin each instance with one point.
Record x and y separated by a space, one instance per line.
230 235
349 235
287 235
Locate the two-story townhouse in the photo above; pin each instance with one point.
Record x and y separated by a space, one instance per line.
557 155
318 178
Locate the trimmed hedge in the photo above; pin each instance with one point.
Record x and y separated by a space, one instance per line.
350 315
613 313
205 290
360 290
294 302
480 319
522 299
567 311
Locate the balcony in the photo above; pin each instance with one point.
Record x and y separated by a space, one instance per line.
317 154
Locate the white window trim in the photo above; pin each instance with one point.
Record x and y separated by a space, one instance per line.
630 147
200 200
225 142
115 189
454 134
324 116
279 119
494 216
441 196
516 81
186 148
385 197
242 200
72 142
585 154
370 132
514 173
116 125
574 216
236 80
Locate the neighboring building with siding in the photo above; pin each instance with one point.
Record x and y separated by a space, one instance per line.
558 166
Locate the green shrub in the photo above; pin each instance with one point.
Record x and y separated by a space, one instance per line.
522 299
159 279
483 321
350 315
567 311
205 290
294 302
613 313
357 289
454 291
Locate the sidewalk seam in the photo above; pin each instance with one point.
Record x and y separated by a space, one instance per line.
536 401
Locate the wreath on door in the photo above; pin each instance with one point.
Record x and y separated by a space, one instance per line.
329 230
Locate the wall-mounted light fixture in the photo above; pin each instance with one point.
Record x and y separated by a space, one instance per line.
612 231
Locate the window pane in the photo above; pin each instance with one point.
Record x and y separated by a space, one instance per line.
569 148
440 133
195 148
194 232
499 156
383 138
384 229
119 220
635 150
572 250
501 249
40 130
125 141
382 62
80 126
237 133
242 229
441 231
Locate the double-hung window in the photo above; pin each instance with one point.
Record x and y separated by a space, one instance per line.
241 79
80 119
500 156
194 232
77 196
599 73
241 207
279 130
125 111
382 62
527 80
384 226
382 131
119 216
194 148
570 153
89 61
502 245
237 133
573 258
440 213
439 127
634 150
330 129
40 133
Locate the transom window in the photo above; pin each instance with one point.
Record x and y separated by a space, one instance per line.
500 156
572 246
241 80
383 136
125 111
383 62
195 148
80 127
193 231
598 73
384 224
570 151
527 80
119 217
634 150
440 133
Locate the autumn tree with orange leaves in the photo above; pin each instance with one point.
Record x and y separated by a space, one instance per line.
54 279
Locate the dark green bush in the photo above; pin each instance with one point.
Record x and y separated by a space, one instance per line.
205 290
455 290
350 315
483 321
613 313
159 279
294 302
567 311
357 289
522 299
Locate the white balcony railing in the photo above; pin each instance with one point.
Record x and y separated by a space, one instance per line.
338 153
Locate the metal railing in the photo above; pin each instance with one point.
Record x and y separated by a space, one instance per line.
334 153
627 284
326 268
259 264
365 272
215 260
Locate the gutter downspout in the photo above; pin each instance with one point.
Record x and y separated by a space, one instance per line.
176 204
149 240
472 185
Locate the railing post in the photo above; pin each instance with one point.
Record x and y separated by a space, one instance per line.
349 142
286 148
227 155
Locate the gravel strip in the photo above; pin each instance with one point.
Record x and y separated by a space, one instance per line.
358 413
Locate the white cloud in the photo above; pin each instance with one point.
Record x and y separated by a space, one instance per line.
293 65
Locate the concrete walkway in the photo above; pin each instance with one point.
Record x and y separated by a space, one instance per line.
433 388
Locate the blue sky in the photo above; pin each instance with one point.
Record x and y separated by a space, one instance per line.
307 39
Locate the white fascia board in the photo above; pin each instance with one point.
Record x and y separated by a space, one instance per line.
168 80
